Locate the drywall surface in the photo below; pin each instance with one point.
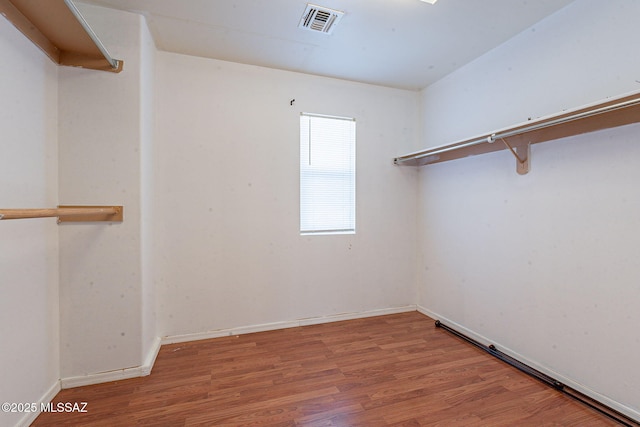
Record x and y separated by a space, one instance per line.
546 264
102 133
29 363
147 216
229 252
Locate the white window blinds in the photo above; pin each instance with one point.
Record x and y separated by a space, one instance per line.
327 174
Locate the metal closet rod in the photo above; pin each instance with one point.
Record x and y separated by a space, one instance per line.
67 213
72 7
508 133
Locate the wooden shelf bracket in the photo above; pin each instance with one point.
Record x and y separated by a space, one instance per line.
522 153
518 139
68 213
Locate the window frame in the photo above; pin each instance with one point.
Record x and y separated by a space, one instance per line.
344 166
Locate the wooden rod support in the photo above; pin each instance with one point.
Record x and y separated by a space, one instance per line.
522 163
68 213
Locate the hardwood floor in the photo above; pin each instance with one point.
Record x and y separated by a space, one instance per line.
396 370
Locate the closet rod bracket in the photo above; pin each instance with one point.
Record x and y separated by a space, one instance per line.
522 153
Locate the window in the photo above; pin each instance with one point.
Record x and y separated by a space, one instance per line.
327 174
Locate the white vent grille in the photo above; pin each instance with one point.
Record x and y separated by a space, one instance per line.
318 18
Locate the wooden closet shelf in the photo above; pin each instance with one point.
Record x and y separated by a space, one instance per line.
517 139
68 213
60 31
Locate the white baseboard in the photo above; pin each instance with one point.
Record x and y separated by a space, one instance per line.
623 409
151 356
116 375
48 396
145 369
173 339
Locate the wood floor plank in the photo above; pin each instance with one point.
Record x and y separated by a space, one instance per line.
388 371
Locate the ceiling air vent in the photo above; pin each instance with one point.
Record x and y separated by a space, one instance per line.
318 18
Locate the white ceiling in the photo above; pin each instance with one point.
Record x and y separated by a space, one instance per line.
398 43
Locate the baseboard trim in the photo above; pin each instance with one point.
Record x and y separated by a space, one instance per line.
623 409
174 339
47 397
152 354
145 369
118 374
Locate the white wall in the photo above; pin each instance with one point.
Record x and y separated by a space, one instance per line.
229 253
29 363
150 343
103 132
546 264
